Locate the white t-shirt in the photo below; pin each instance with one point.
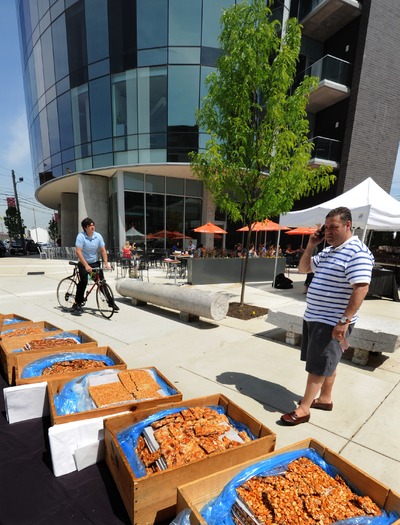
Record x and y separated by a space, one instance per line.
336 270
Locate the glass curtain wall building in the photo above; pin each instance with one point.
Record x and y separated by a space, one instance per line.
112 87
111 92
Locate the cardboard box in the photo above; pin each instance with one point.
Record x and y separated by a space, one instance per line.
54 387
9 345
25 358
197 494
6 320
153 498
14 329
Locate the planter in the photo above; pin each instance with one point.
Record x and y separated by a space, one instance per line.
215 271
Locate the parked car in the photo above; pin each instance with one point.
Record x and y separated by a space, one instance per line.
16 247
3 249
31 246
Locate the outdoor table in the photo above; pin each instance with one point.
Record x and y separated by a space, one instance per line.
171 266
183 258
383 284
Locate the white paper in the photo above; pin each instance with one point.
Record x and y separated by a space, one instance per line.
66 438
26 402
103 378
89 455
77 445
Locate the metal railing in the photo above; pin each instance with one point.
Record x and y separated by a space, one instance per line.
59 252
328 68
326 149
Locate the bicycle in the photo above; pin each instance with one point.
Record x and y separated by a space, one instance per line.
66 292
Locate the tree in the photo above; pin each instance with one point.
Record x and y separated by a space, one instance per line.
14 223
53 230
256 161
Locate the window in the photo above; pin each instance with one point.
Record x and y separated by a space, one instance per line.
184 22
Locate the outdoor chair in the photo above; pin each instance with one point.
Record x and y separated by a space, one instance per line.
42 253
143 266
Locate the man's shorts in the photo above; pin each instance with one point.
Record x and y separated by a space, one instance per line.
320 352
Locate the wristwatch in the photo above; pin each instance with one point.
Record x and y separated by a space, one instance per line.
344 320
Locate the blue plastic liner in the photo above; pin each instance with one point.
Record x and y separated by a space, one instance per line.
128 437
74 397
13 320
61 335
36 368
218 511
14 329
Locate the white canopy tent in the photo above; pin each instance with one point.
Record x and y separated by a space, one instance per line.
372 208
39 235
133 232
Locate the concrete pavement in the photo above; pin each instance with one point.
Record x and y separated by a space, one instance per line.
248 361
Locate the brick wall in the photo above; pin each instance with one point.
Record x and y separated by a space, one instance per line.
373 125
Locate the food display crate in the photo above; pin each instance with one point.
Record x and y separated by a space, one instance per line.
18 329
55 387
7 320
26 358
153 498
9 346
195 495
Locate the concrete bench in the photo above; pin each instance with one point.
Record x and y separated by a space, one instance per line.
190 302
370 334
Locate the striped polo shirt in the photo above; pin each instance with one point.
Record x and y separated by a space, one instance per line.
336 270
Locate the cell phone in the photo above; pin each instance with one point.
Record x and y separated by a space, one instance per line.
321 232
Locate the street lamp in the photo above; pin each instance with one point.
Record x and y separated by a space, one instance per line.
21 231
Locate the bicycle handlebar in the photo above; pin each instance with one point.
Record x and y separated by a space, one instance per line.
75 263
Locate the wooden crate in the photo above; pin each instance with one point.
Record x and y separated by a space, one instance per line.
195 495
153 498
54 387
26 358
43 326
9 345
11 317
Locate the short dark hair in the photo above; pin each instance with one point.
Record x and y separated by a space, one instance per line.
86 222
343 212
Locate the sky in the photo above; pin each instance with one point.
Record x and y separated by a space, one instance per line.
14 142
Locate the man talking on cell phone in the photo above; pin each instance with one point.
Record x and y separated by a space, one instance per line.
342 273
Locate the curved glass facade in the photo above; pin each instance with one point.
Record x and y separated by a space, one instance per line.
114 82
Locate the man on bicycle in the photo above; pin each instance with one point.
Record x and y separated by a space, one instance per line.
87 245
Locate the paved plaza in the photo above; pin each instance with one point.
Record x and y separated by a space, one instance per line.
248 361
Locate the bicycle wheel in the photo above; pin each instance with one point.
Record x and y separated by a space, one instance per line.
105 300
66 292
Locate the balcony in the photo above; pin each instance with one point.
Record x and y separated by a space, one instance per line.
334 80
323 18
326 152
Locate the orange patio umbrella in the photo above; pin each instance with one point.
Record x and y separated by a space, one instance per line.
263 226
209 228
161 234
179 235
302 231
